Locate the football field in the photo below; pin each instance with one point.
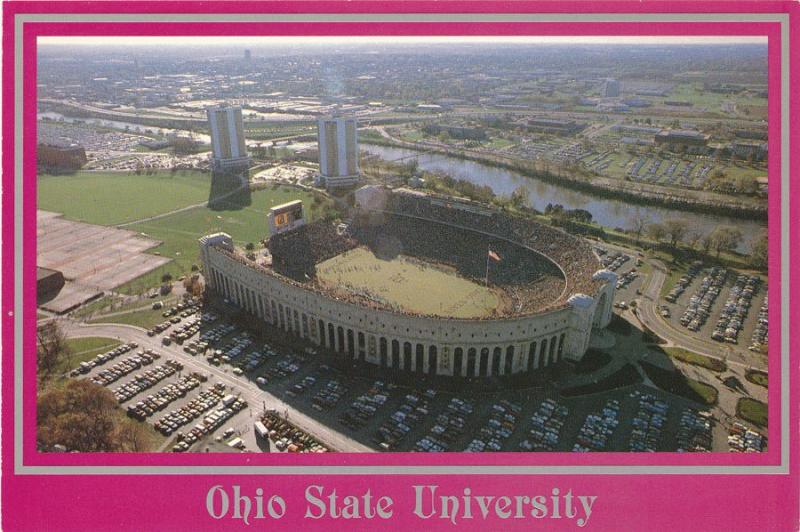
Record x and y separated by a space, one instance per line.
407 283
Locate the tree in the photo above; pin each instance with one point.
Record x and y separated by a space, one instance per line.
638 224
759 252
52 351
725 238
79 415
520 198
676 230
250 246
167 277
656 231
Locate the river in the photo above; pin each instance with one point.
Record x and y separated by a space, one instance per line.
608 212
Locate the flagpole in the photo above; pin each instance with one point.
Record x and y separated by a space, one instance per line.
488 249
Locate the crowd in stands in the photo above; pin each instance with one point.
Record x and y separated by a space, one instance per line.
572 254
296 253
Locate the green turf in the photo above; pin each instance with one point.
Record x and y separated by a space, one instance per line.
145 318
752 411
83 349
400 282
110 198
757 377
696 359
179 232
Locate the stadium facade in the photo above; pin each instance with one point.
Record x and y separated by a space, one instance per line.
525 339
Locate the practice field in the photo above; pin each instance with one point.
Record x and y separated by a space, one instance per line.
407 283
111 198
179 232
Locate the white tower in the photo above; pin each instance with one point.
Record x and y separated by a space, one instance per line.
338 151
227 138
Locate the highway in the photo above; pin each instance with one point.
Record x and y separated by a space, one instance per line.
256 397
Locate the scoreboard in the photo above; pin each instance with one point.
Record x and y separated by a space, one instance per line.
286 217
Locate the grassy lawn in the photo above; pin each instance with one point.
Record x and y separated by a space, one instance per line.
83 349
593 360
677 383
144 318
696 359
757 377
624 376
179 232
752 411
109 198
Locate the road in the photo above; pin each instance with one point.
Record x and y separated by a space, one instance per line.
648 314
256 397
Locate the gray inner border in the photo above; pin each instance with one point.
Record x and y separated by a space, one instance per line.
21 469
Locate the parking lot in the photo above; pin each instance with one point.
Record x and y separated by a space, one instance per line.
722 305
179 392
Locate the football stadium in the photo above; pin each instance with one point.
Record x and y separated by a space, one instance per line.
421 283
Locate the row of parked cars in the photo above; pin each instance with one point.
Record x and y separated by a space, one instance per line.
699 307
546 425
365 406
497 429
175 419
743 440
102 358
759 340
330 394
627 278
164 397
694 431
288 366
683 283
209 424
412 411
737 306
124 367
450 425
287 436
146 380
597 428
614 260
191 327
648 423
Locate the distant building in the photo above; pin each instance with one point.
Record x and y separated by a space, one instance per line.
611 89
681 137
58 159
456 132
555 127
338 151
247 55
749 149
227 139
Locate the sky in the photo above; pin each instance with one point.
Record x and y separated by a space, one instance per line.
117 41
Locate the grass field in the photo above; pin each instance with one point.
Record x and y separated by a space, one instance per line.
405 282
145 317
179 232
110 198
757 377
752 411
83 349
696 359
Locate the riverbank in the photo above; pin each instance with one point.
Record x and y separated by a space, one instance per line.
643 194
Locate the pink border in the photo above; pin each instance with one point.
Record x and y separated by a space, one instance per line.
777 491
